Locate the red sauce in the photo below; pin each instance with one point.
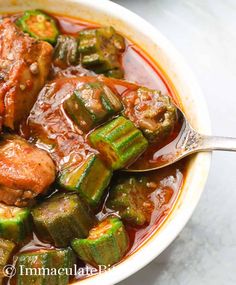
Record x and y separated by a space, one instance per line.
167 183
141 70
72 26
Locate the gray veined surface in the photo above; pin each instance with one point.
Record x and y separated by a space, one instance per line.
204 31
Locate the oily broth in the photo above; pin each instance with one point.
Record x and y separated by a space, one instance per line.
167 182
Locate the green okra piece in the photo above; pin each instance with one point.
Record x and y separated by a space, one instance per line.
101 50
15 224
6 249
91 104
62 218
45 267
66 51
119 142
106 244
39 25
130 198
152 112
90 179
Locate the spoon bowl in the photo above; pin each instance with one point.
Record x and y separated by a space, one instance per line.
188 141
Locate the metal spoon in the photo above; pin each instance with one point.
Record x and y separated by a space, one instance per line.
187 142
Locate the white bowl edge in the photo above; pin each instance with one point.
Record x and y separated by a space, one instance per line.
159 48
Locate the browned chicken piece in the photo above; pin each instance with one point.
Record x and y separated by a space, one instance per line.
25 171
24 66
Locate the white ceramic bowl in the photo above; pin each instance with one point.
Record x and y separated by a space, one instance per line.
160 50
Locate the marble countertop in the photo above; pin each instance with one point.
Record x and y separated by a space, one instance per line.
204 32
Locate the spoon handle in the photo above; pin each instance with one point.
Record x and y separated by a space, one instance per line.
194 142
189 142
208 143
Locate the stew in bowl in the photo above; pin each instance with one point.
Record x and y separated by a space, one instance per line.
79 103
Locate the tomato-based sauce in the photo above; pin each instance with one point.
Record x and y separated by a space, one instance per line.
48 125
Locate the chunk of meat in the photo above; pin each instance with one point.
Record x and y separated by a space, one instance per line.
25 171
24 66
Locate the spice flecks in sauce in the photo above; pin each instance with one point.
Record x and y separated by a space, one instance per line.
164 185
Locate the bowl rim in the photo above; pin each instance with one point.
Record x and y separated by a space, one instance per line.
180 215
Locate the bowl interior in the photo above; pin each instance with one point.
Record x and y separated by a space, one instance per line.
178 74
